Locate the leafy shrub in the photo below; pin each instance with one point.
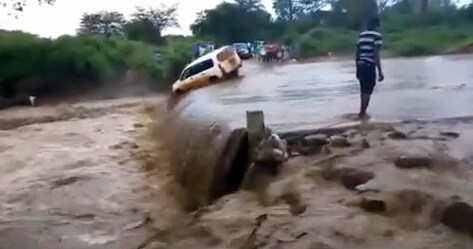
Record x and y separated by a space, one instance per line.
43 66
319 41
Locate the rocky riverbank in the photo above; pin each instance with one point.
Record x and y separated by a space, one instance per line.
369 185
92 175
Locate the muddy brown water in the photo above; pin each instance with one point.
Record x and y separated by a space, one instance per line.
88 176
303 95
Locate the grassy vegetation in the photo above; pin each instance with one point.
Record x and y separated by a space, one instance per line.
33 65
431 40
29 64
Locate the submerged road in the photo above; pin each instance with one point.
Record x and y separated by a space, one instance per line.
297 96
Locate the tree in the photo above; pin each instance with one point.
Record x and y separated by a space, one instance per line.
289 10
148 23
233 22
142 30
353 13
286 9
102 23
161 18
19 5
250 5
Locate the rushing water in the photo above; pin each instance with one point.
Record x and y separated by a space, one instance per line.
72 179
303 95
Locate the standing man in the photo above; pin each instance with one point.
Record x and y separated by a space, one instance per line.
158 56
196 50
368 61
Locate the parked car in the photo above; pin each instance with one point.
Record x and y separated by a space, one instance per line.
243 50
218 64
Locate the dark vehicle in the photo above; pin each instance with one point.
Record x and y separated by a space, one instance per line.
270 52
243 50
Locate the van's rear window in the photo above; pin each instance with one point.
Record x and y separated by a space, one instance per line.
225 54
197 68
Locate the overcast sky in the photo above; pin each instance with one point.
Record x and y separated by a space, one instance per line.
64 16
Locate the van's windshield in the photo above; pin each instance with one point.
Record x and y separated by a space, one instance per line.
197 68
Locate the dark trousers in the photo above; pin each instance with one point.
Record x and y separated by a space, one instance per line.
366 74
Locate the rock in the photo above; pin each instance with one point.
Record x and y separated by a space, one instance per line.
309 150
339 141
373 205
270 155
411 162
397 135
459 217
351 133
365 144
138 125
317 140
85 216
355 178
451 134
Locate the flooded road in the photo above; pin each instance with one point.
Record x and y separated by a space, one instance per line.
307 95
91 175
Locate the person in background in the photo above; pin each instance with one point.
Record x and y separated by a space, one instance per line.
367 61
158 56
207 47
196 50
201 50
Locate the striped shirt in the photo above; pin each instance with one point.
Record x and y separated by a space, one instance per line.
368 41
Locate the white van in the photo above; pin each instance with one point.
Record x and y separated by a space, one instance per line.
218 64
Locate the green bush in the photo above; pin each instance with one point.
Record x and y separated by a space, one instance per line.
414 48
426 41
29 64
320 41
397 42
176 56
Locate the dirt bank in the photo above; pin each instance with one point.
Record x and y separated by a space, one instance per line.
356 191
98 177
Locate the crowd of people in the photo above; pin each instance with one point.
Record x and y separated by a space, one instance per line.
201 49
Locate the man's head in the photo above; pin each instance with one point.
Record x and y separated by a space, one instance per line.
373 23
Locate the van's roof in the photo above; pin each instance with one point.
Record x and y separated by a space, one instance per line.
206 56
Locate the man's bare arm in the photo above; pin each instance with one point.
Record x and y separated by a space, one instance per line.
377 58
